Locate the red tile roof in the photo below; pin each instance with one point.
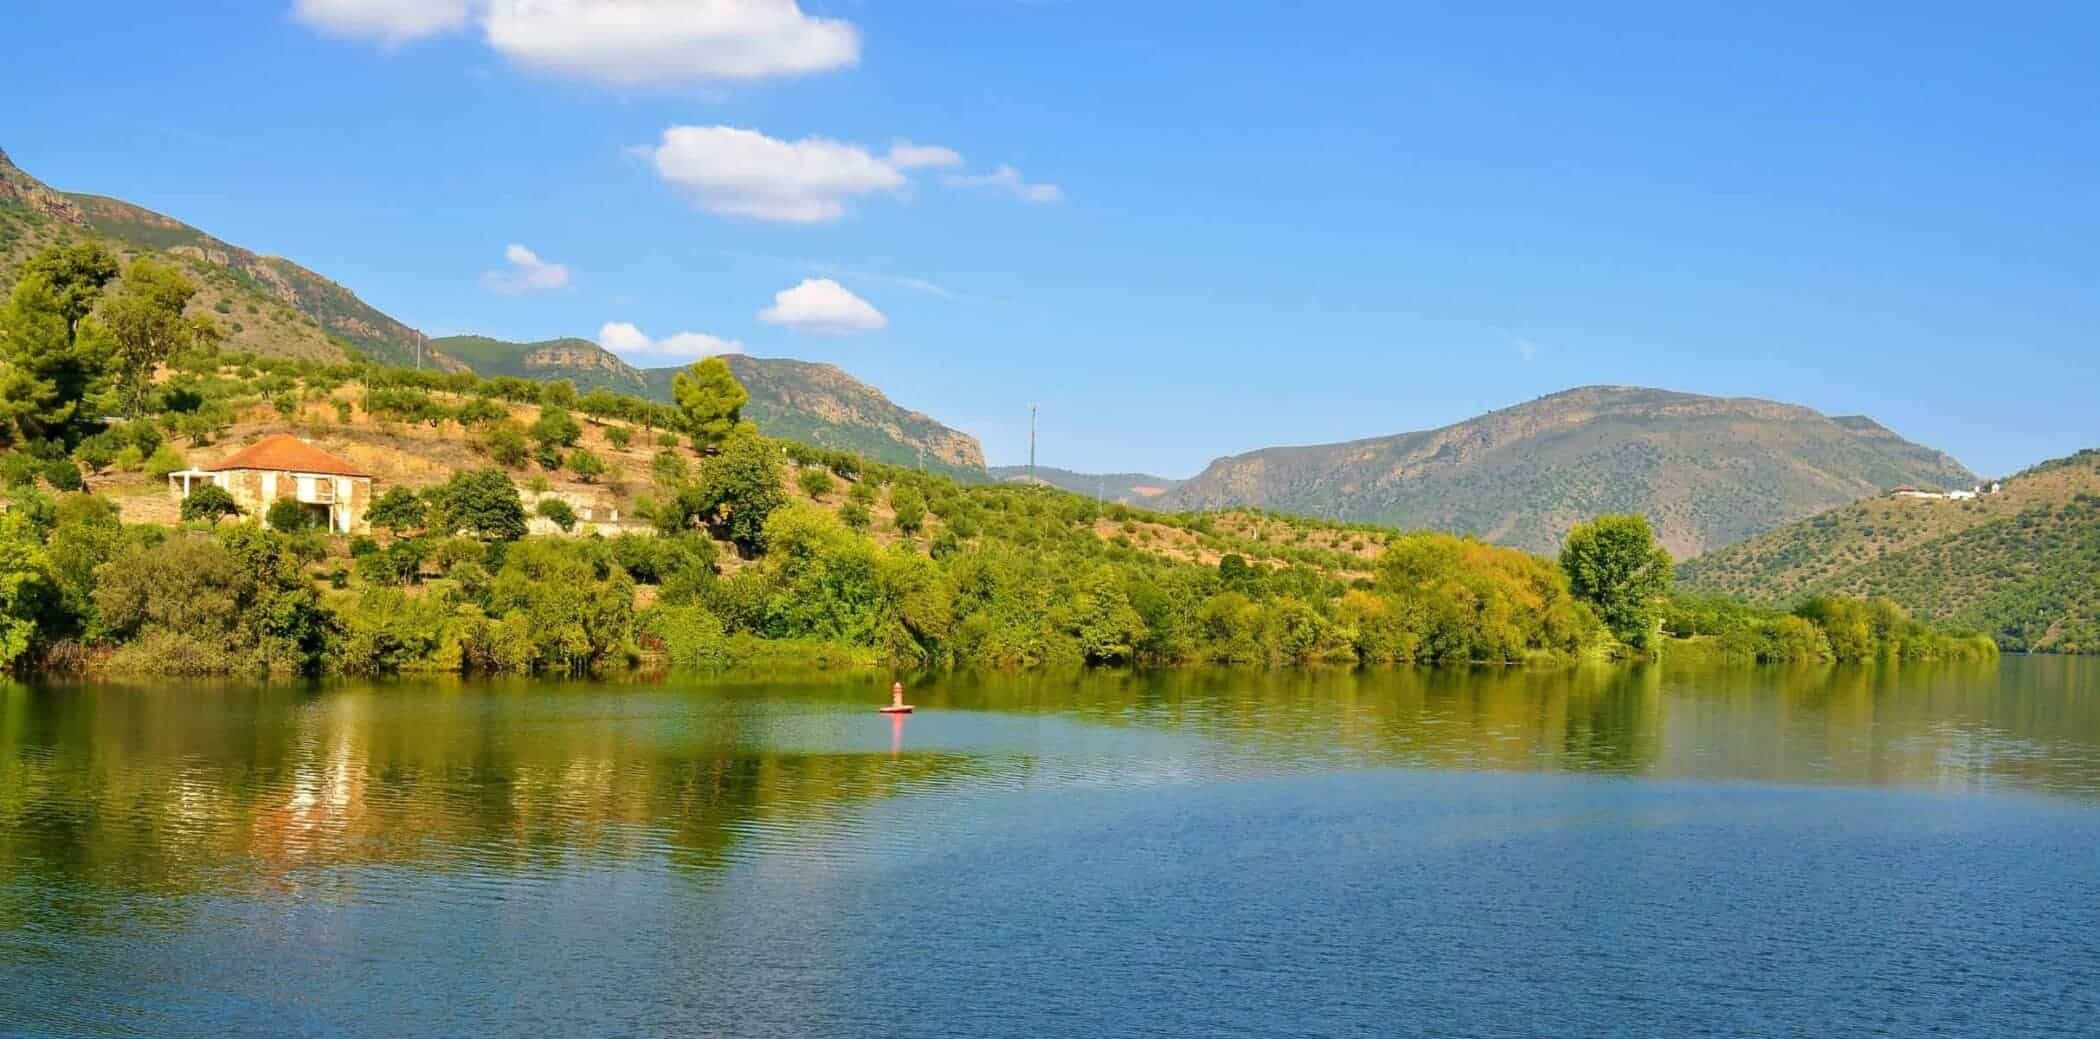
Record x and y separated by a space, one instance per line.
282 452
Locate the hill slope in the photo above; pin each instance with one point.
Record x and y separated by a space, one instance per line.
1708 471
1126 488
265 304
2023 564
271 306
816 404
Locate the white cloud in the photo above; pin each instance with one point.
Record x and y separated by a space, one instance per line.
625 339
1006 179
633 43
823 306
908 156
527 273
669 42
389 21
1526 349
745 173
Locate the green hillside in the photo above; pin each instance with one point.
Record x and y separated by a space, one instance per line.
1707 471
273 307
1126 488
2023 564
818 404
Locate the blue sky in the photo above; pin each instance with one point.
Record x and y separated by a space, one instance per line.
1226 226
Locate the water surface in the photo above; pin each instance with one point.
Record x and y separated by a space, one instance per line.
1891 851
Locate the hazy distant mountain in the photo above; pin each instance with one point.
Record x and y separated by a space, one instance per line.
1128 488
812 403
2020 564
1707 470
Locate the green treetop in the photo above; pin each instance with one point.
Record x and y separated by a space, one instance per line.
147 327
711 398
1614 564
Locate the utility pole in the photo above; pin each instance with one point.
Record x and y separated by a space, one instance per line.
1031 446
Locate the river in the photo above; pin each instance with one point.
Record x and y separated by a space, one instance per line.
1907 851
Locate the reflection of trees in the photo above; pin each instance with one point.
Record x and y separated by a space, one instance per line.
1586 719
174 791
204 787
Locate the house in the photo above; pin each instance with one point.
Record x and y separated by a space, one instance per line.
283 467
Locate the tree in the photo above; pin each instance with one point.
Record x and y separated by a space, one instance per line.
619 436
50 371
482 503
712 400
26 590
556 428
146 326
559 512
209 503
586 465
1614 564
737 491
817 482
561 393
909 506
398 511
287 515
76 274
504 442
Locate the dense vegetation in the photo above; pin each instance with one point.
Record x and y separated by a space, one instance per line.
757 550
2019 564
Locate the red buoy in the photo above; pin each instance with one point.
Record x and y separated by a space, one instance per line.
897 704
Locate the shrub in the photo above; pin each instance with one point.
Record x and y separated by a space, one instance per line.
287 515
558 511
129 459
910 509
63 475
586 465
817 483
619 436
505 444
555 428
164 460
399 510
209 503
97 452
855 516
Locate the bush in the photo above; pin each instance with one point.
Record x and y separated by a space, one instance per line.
505 444
855 516
63 475
586 465
555 428
395 565
209 503
559 511
817 483
399 510
619 436
287 515
97 452
129 459
910 509
164 460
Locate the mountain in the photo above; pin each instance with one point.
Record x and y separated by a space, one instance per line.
1708 471
2022 564
272 306
1127 488
813 403
264 304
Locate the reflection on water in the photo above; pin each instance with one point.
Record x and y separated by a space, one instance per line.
166 790
224 812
